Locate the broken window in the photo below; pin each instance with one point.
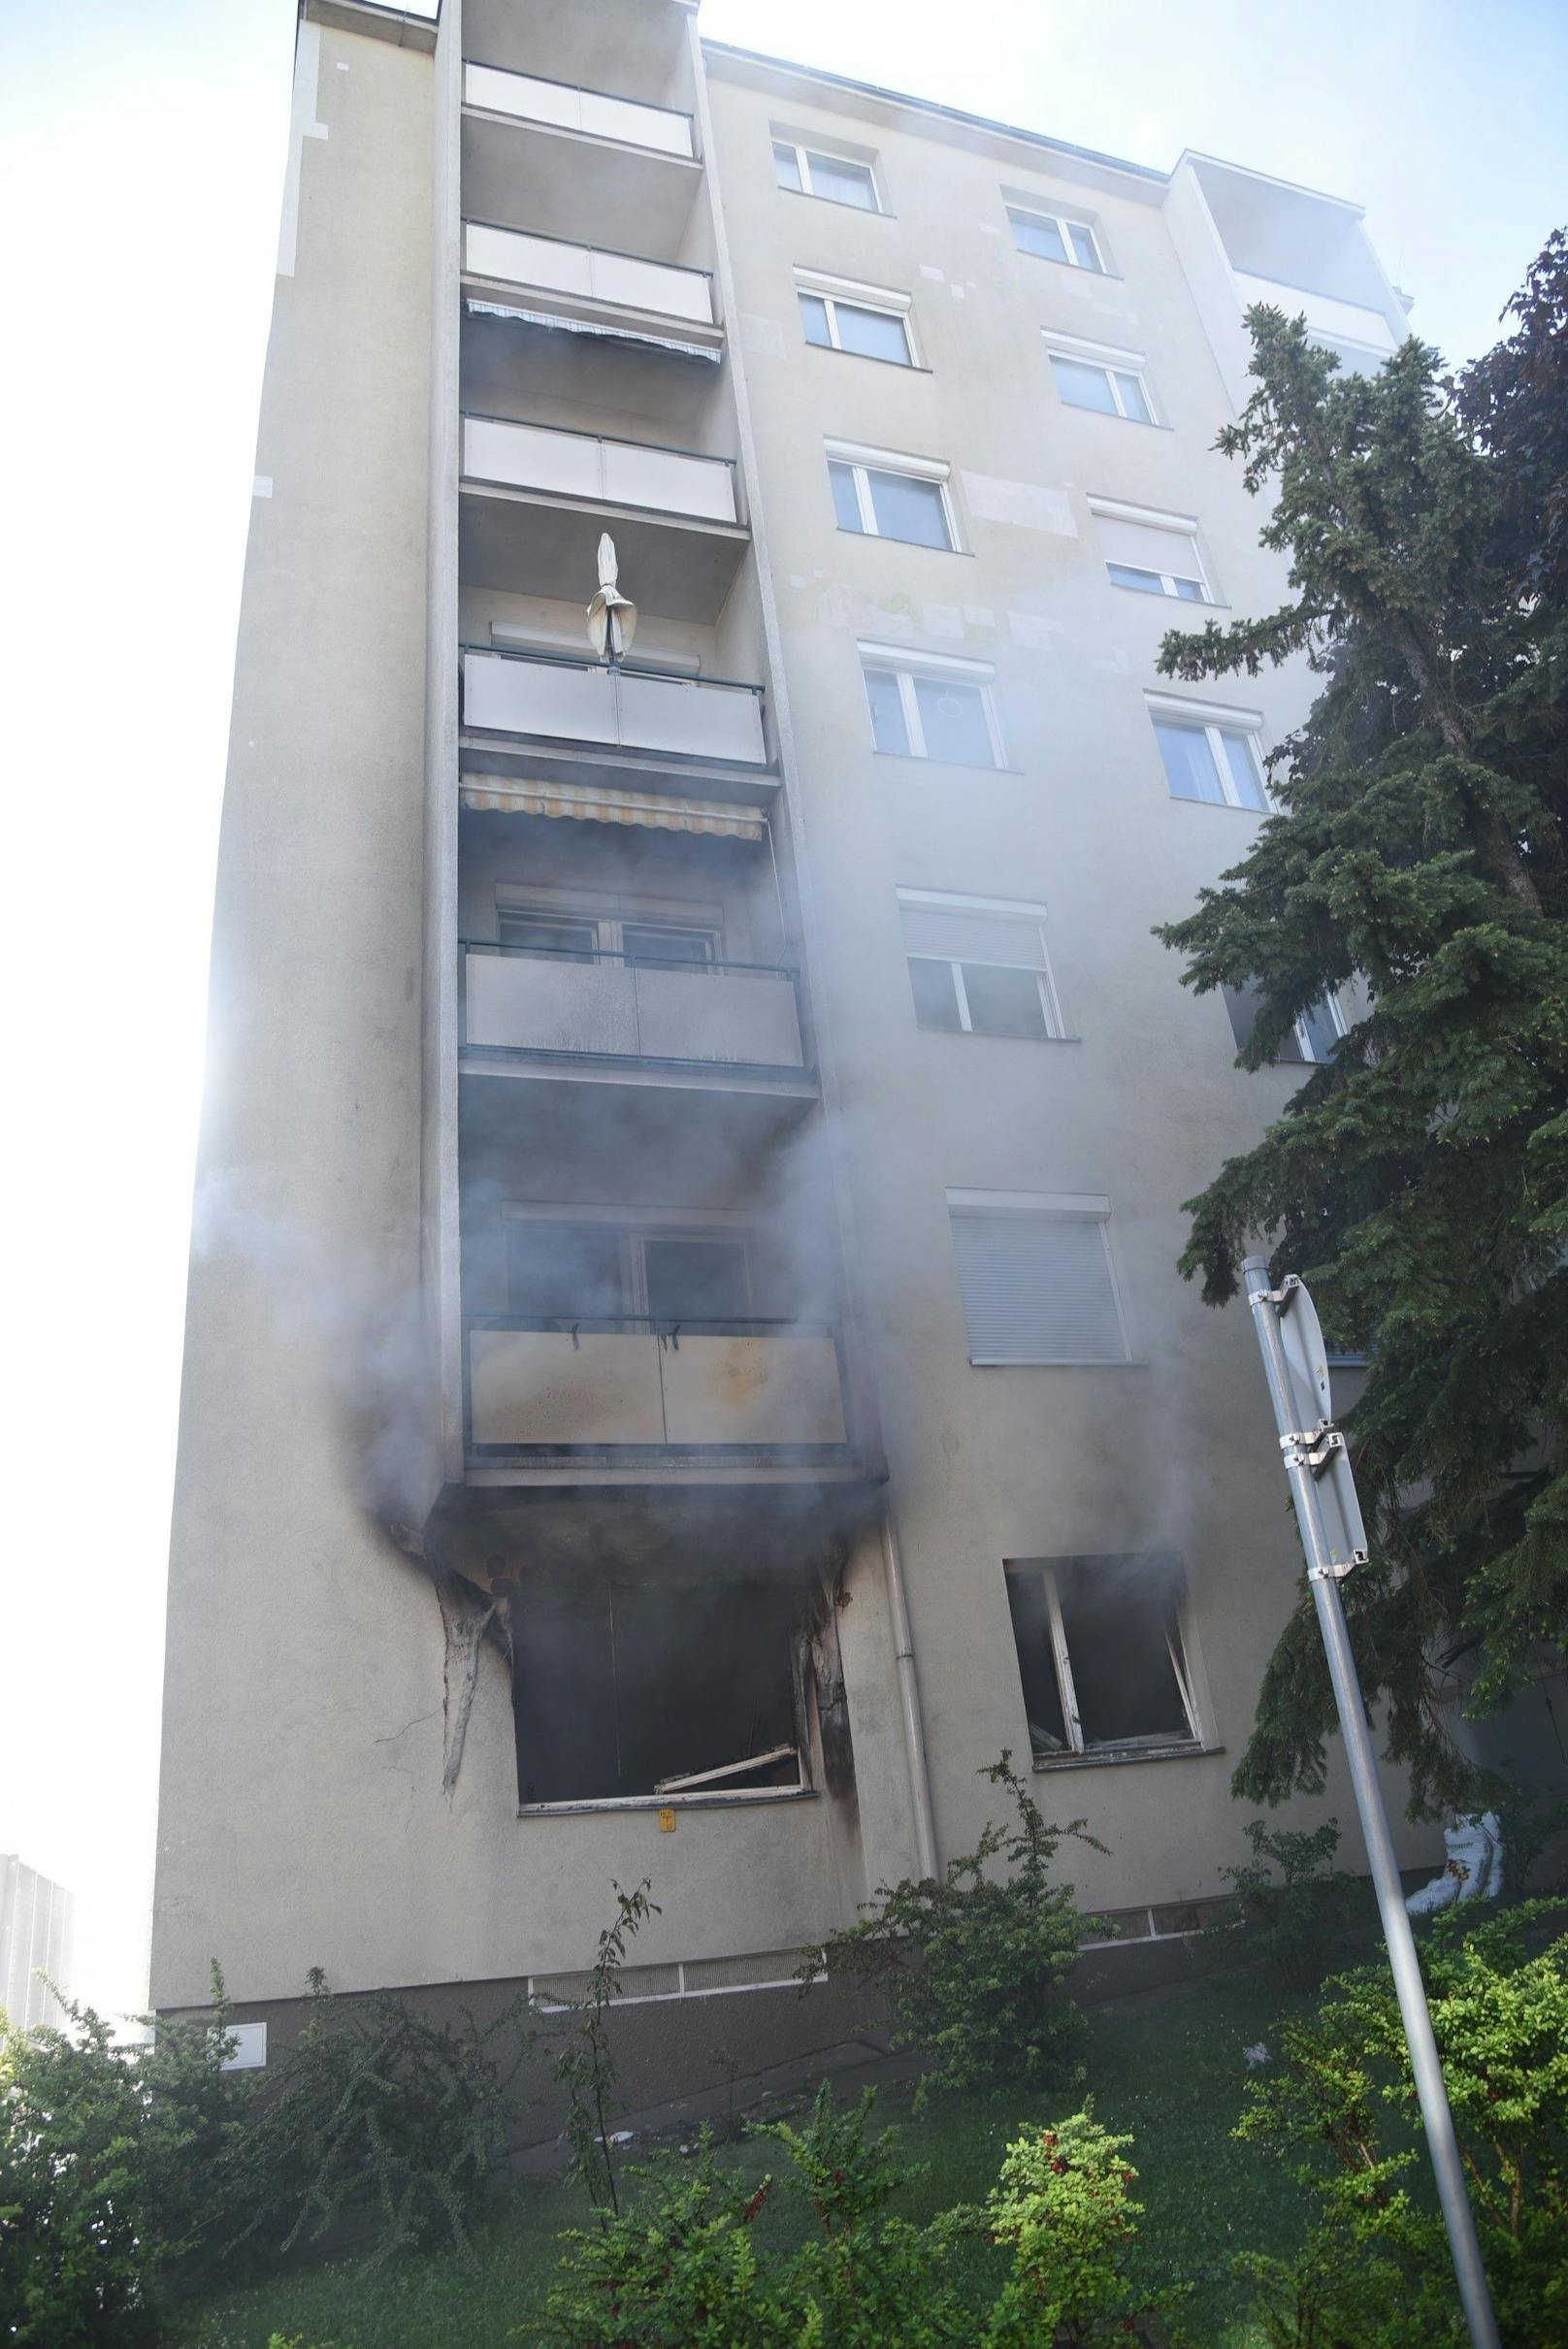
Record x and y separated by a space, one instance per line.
656 1688
1101 1654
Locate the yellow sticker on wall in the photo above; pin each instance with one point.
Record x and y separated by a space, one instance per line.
667 1821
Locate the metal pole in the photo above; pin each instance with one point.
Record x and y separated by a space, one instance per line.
914 1729
1442 2144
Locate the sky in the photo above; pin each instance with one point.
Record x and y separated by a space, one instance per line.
141 151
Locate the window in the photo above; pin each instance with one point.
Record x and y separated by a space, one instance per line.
1209 760
924 707
890 498
1154 554
1054 239
978 965
585 936
1315 1033
1092 375
1037 1278
808 172
858 319
1100 1655
563 1271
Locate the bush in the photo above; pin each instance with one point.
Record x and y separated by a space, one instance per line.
1340 2109
121 2167
1061 2203
1302 1923
974 1964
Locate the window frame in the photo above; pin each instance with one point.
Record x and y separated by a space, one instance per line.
631 1229
932 901
1078 1750
1111 361
1341 1025
1214 721
1063 223
863 462
1180 527
905 668
803 155
1077 1207
608 922
880 301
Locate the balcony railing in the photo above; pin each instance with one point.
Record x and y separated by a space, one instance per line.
522 999
586 465
566 106
598 1383
1325 314
562 700
552 265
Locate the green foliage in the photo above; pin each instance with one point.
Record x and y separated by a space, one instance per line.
1420 1179
121 2167
1061 2204
379 2115
974 1962
1340 2109
1300 1923
585 2066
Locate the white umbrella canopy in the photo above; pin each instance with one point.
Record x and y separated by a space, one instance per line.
611 616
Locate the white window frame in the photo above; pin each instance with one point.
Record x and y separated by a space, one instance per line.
1183 527
803 155
935 668
864 461
1341 1027
1112 361
1213 720
1062 1206
1067 1688
1013 909
880 299
1061 223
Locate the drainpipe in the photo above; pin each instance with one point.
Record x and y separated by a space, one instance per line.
914 1735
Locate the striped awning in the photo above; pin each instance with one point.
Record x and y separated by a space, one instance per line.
603 804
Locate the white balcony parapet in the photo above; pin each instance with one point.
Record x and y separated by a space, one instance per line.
585 465
738 1014
587 702
622 280
598 1383
1325 314
565 107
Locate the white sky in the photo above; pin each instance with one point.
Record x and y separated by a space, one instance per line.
141 147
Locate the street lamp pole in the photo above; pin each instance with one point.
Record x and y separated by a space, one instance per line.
1322 1489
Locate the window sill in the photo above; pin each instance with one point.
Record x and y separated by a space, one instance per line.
1120 1755
906 366
983 1035
1070 407
886 537
1225 807
842 204
963 766
1107 276
1186 603
716 1800
991 1361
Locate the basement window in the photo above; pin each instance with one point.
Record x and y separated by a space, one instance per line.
656 1690
1100 1655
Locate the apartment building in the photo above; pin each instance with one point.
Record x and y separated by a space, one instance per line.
685 1360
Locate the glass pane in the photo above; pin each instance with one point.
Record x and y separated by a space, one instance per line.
661 942
1003 1003
1190 591
1318 1029
844 182
1133 401
1242 761
1083 247
1114 1613
563 1272
936 1002
697 1279
815 318
1190 765
1033 233
907 509
1084 386
888 729
1037 1666
1127 574
846 505
542 934
787 165
872 334
953 719
1242 1002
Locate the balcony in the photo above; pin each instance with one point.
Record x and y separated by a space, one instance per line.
734 1014
534 501
589 281
567 701
636 1384
1331 320
565 105
564 159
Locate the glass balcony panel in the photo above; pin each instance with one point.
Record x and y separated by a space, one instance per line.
533 1003
745 1016
566 108
556 267
523 260
579 701
711 1013
637 125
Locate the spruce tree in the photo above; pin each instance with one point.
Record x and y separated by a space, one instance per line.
1418 1179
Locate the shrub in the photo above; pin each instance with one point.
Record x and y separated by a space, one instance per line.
1061 2204
1302 1922
1340 2109
974 1964
121 2167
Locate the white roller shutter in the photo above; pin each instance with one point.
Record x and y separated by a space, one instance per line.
1148 549
972 937
1038 1289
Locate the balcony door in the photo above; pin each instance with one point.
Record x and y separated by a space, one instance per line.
614 934
562 1273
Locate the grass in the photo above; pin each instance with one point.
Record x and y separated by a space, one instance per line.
1168 2068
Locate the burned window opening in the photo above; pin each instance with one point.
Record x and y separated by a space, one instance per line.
1100 1654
